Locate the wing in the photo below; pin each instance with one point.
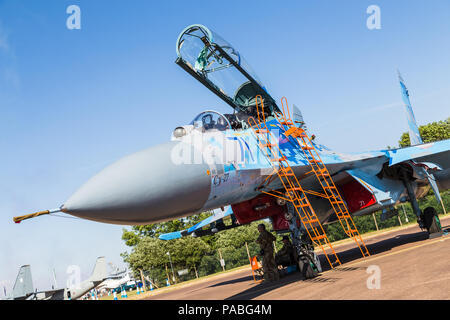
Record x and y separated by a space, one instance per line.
370 181
56 294
214 224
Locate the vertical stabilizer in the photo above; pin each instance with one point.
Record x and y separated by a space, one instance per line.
99 273
414 134
55 284
298 118
23 286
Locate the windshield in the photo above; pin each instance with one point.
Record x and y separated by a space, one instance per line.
211 120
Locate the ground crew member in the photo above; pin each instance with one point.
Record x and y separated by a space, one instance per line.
265 241
285 256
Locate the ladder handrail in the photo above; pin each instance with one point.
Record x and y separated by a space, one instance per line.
294 191
287 108
324 173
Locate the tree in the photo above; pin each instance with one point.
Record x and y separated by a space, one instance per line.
237 237
132 237
232 243
430 132
187 251
150 253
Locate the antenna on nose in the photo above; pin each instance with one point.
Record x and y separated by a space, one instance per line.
34 215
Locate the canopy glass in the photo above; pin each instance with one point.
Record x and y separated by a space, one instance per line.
211 120
221 68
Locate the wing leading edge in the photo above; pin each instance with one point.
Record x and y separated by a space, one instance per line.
215 222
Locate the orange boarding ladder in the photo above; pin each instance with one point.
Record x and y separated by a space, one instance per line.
323 176
294 193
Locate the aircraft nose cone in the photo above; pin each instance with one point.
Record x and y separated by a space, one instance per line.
143 188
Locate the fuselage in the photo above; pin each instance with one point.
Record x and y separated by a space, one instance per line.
207 169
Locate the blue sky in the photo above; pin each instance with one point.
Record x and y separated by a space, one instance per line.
74 101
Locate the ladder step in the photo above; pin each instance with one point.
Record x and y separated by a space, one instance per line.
335 263
278 159
319 237
300 200
295 193
287 174
323 171
287 169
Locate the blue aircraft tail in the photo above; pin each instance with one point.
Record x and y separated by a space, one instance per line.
414 134
298 118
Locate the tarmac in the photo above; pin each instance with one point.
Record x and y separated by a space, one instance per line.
404 264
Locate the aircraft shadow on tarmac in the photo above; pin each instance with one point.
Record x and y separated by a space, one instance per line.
378 247
263 288
224 283
345 255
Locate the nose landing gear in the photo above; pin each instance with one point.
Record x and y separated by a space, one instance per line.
307 260
431 222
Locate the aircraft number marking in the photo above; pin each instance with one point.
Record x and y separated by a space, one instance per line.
217 180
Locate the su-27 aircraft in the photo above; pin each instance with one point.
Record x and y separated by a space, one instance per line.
222 160
23 287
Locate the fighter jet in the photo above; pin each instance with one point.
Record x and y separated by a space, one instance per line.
73 292
216 161
23 287
115 281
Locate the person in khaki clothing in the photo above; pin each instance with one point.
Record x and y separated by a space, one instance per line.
265 241
285 257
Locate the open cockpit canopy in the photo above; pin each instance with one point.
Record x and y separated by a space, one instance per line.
218 66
